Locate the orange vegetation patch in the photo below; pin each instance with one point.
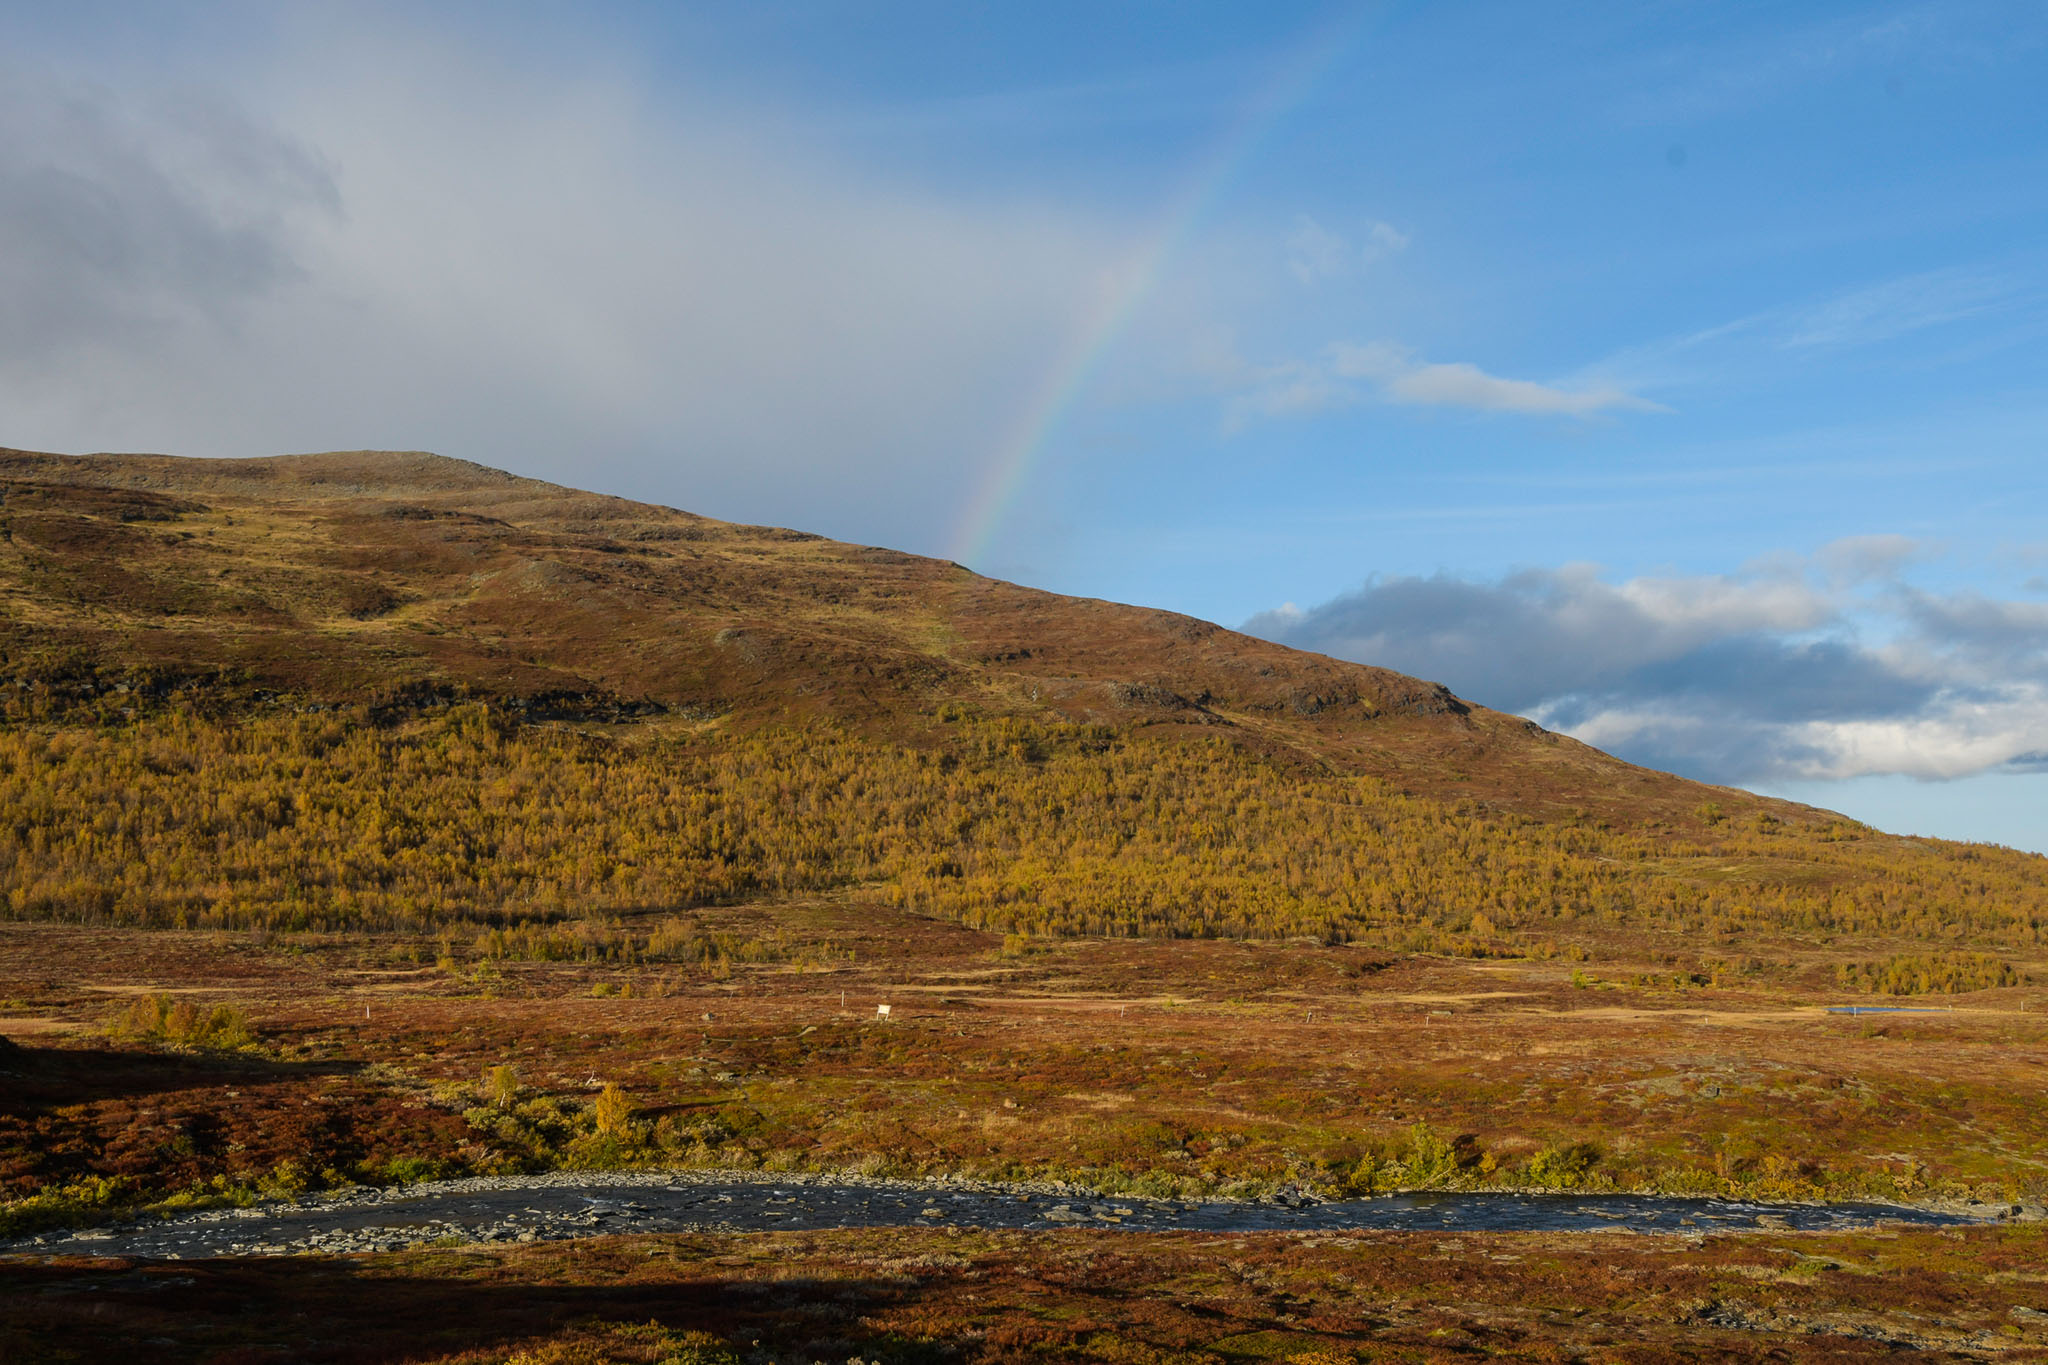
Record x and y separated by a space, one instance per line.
969 1296
1285 1064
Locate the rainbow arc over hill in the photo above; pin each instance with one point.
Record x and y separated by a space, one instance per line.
1067 377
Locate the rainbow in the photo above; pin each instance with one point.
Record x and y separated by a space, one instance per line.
1063 382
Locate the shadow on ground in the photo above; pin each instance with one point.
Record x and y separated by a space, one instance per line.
35 1080
340 1313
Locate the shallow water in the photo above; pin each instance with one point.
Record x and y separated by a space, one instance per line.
552 1208
1885 1009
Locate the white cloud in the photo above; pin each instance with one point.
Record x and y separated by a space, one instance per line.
1957 737
1315 253
1383 239
1889 308
1689 611
1467 386
1740 71
1349 373
1901 310
1828 666
1862 559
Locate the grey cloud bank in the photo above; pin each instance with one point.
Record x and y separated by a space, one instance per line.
133 220
401 245
1830 667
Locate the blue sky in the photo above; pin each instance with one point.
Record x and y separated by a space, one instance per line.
1671 372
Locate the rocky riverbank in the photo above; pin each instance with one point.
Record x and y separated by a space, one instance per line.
563 1205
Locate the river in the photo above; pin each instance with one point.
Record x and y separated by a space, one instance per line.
551 1207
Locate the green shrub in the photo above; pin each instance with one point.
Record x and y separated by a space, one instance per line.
83 1201
411 1170
1562 1167
501 1086
698 1348
1428 1158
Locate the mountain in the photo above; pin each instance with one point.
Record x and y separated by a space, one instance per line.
354 575
392 689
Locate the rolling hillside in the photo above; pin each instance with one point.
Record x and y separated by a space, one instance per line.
386 689
348 577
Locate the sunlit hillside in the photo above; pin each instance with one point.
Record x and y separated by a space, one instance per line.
400 692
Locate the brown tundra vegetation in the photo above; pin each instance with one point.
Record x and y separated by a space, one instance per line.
374 818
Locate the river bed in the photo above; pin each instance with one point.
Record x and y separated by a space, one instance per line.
553 1207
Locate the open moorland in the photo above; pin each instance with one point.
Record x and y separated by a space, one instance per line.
376 818
1139 1066
968 1295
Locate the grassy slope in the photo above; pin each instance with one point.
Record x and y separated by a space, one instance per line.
345 575
197 654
